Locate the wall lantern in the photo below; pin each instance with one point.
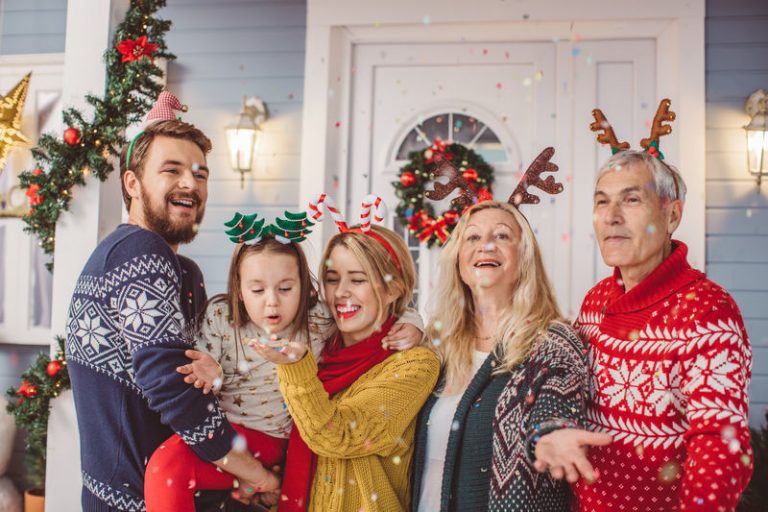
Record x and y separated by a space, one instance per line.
757 134
243 136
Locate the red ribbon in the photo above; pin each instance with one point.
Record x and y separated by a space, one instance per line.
437 227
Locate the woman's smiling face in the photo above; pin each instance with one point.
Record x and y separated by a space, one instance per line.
350 295
489 253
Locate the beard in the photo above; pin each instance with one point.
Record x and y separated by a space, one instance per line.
158 219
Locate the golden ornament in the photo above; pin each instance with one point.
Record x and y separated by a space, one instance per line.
11 108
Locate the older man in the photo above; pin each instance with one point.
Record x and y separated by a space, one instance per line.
669 361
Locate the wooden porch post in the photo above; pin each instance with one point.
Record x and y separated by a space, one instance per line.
95 211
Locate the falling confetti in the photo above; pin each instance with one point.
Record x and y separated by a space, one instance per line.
426 20
669 472
575 52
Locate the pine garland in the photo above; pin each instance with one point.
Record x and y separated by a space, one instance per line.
31 405
131 89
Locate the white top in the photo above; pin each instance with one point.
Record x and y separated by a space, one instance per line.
439 427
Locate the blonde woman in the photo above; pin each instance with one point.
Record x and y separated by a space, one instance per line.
355 409
512 371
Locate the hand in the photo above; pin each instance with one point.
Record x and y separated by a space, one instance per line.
203 372
278 351
402 337
270 498
564 453
251 492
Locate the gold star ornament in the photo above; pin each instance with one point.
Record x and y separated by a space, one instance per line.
11 107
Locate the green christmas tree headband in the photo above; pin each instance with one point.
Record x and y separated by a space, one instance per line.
250 229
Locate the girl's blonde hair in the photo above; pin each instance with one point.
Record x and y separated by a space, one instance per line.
531 309
238 316
379 266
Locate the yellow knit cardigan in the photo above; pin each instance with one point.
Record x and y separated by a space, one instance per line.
363 436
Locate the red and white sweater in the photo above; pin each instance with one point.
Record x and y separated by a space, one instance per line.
669 365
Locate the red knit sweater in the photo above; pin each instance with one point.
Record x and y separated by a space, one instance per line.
670 363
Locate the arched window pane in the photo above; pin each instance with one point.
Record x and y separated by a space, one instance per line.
458 127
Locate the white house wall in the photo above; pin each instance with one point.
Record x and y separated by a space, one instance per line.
737 212
227 49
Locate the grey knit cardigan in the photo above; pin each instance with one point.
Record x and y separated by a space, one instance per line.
544 393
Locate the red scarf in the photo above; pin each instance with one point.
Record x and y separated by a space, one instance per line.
338 369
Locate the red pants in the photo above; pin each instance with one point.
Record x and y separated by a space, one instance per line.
175 473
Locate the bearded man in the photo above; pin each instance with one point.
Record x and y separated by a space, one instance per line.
129 323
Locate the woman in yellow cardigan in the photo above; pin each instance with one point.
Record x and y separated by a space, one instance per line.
355 411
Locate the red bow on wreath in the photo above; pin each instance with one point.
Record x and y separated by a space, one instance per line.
437 227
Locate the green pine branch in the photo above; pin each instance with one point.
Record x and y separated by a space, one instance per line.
31 412
130 91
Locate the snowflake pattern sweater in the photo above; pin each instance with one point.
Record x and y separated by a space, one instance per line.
670 363
124 341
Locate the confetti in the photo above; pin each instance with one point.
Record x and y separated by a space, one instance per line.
396 460
239 444
337 124
498 85
426 20
669 472
650 229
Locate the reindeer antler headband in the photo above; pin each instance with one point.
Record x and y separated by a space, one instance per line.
467 196
373 208
650 144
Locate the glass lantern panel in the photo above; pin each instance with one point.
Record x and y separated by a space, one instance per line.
242 143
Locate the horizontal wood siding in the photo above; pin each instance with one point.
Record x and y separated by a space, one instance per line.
227 49
32 26
737 211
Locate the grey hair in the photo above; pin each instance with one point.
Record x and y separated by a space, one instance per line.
667 179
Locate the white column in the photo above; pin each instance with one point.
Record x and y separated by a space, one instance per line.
94 211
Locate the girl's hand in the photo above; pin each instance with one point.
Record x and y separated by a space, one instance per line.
278 351
402 337
203 372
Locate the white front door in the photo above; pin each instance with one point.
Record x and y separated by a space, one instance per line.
523 97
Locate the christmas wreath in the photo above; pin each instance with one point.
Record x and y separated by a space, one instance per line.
417 214
87 147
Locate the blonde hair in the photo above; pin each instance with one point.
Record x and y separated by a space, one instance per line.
379 266
531 309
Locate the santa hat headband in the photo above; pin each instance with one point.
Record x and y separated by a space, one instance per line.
373 209
650 145
468 195
162 110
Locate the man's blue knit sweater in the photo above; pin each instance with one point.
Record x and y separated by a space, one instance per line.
125 338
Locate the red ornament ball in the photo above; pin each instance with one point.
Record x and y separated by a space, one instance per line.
407 179
72 136
451 217
53 368
470 175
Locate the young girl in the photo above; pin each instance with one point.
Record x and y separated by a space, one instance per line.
270 294
355 411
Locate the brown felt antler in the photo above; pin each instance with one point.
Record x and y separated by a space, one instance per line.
659 129
608 136
466 197
532 177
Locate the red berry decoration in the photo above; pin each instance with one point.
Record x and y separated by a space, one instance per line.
72 136
407 179
53 368
451 217
470 175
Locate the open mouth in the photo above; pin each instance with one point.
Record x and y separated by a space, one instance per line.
347 311
274 319
487 264
183 202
